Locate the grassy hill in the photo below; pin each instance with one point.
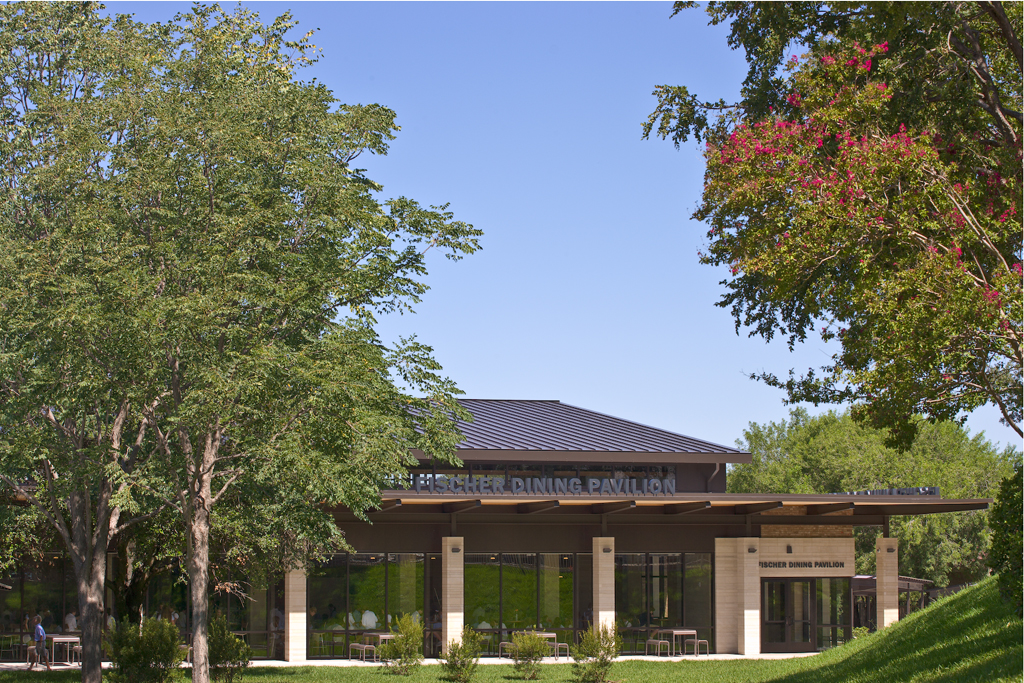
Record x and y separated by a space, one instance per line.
971 636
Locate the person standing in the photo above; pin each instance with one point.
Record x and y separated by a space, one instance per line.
40 639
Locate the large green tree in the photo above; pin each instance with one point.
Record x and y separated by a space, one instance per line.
869 192
832 453
190 269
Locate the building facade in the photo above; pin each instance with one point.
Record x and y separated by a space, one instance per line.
561 518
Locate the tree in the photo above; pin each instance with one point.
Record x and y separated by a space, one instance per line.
190 270
1007 555
832 453
869 193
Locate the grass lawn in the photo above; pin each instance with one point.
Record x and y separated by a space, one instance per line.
971 636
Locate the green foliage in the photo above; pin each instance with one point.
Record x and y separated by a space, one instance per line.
1007 552
147 654
460 662
404 653
593 656
527 651
869 193
229 655
191 271
832 453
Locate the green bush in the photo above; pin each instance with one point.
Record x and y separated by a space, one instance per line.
404 653
229 656
1005 555
147 654
860 632
459 663
527 651
592 658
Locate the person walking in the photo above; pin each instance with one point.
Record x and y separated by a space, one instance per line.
40 638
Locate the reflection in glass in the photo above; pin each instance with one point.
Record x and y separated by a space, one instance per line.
631 612
697 596
405 586
801 611
833 598
482 595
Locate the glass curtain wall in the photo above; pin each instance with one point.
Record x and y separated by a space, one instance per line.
353 595
662 590
483 593
833 598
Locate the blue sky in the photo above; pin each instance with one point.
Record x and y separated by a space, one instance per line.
527 117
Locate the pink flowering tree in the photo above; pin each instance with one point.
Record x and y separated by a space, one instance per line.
879 208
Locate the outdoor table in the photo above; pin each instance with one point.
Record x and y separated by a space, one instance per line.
69 641
381 637
677 632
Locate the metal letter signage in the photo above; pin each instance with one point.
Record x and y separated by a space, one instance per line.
478 486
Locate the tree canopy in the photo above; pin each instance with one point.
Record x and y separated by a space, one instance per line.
869 192
832 453
191 266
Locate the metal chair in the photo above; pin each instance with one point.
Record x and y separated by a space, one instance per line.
658 645
696 646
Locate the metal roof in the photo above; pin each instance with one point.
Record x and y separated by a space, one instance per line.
531 425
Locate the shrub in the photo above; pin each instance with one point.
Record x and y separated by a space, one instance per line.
527 651
860 632
460 661
1005 555
229 656
149 653
403 654
592 658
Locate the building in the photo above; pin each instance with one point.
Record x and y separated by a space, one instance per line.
561 518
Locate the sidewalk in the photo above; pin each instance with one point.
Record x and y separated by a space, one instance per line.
259 663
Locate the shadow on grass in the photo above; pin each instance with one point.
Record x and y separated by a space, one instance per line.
970 636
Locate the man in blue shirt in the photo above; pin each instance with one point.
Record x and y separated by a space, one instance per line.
42 654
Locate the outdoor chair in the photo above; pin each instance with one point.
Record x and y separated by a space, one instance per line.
696 646
658 645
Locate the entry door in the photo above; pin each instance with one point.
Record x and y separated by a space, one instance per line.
786 612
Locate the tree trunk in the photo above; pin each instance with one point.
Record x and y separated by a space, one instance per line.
199 578
90 608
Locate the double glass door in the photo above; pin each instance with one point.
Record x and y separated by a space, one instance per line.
805 615
786 614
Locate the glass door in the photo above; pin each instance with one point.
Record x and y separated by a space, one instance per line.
787 611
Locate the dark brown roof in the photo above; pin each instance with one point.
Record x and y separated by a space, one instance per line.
516 425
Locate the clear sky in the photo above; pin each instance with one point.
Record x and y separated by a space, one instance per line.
527 117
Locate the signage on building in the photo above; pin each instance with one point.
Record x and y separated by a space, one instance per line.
542 486
802 564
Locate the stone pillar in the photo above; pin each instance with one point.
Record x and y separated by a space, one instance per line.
453 569
604 581
295 615
749 636
887 591
737 596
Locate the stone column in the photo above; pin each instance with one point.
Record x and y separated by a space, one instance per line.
887 592
604 581
749 611
453 569
295 616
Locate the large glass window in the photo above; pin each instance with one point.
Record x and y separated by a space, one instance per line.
482 590
698 601
405 586
631 613
833 598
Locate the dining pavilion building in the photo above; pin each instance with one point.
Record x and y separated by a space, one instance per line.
561 518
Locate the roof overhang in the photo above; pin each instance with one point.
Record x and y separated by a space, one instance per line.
709 509
596 457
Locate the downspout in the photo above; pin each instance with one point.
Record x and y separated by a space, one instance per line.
718 466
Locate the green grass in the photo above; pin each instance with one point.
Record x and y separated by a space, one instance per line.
971 636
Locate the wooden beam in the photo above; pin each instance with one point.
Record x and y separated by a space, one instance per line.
386 505
612 508
461 506
827 508
685 508
754 508
534 508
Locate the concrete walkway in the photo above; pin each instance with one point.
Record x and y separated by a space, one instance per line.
60 666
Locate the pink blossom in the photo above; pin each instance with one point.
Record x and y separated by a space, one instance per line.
828 60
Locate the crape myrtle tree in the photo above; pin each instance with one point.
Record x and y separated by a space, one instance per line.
869 192
832 453
190 270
